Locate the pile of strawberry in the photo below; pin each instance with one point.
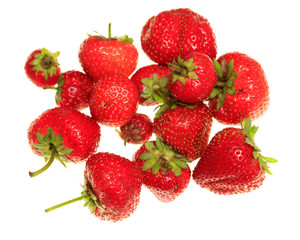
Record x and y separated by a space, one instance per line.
188 87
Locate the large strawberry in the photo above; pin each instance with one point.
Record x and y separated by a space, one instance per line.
177 32
73 90
166 173
242 90
151 81
232 163
185 129
114 101
42 68
112 187
138 130
193 77
64 134
100 56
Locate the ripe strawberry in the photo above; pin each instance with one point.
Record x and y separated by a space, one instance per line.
185 129
242 90
65 134
177 32
112 187
193 78
100 56
73 90
42 68
166 173
232 163
114 101
151 80
138 130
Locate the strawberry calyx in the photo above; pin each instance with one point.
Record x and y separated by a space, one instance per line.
160 157
45 62
87 194
124 39
182 70
225 84
50 147
59 89
249 132
156 90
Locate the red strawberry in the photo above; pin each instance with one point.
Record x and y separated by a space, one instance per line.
138 130
193 78
166 173
185 129
42 68
112 187
100 56
65 134
114 101
177 32
242 90
73 90
232 163
151 80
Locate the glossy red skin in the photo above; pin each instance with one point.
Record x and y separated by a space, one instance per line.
116 182
139 121
165 187
79 131
196 90
147 72
177 32
252 97
228 167
185 130
39 79
76 90
99 58
114 101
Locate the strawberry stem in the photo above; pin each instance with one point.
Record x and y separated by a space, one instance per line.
65 203
49 162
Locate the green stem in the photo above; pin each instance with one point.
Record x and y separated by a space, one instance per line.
43 169
65 203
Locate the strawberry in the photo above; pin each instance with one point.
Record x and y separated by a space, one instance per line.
65 134
112 187
73 90
100 56
185 129
114 101
42 68
177 32
151 80
242 90
193 78
232 163
165 172
138 130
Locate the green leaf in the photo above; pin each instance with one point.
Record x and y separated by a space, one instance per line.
146 156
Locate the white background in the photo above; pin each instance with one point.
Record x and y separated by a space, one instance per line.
266 30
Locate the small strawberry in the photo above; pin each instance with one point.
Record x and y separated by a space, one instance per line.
64 134
73 90
185 129
112 187
242 90
166 173
100 56
42 68
114 101
232 163
193 78
151 81
138 130
177 32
